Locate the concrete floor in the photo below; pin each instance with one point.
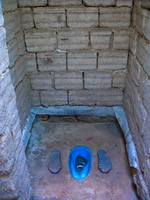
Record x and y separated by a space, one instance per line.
64 133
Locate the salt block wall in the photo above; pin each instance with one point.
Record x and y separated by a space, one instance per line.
137 94
17 57
14 177
77 50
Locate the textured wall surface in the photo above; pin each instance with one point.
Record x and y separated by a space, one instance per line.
17 58
77 51
137 94
14 177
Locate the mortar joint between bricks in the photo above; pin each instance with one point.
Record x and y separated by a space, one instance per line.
66 17
68 97
111 41
83 80
89 45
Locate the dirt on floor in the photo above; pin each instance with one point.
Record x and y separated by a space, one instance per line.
64 133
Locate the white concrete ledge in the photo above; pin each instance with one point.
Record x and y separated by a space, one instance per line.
103 111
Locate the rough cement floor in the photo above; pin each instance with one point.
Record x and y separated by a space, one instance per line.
64 133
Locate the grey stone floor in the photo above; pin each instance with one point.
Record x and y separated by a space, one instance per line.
64 133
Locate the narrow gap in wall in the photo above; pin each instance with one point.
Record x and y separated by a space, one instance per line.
111 41
57 39
89 45
97 60
83 80
67 61
36 59
66 17
68 97
99 17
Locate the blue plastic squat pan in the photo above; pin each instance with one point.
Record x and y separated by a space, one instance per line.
80 162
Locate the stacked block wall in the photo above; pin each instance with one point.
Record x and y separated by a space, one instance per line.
77 51
14 177
137 93
17 58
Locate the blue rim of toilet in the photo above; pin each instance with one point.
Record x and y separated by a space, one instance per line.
80 152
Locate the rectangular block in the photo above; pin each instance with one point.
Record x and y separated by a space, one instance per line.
99 2
82 17
134 69
31 62
21 45
73 40
41 81
64 2
12 24
96 80
32 3
68 80
18 71
143 54
110 97
49 17
100 39
144 88
133 41
145 4
121 39
4 58
147 26
26 18
115 17
1 16
9 5
13 51
82 61
112 60
34 98
53 98
119 78
124 3
141 18
40 40
51 62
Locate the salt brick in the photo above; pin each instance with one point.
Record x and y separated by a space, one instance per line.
68 80
64 2
31 62
49 17
133 41
51 61
53 98
133 17
82 17
141 18
99 2
124 3
134 69
26 18
1 16
32 3
12 24
18 71
73 40
145 4
21 45
9 5
112 60
40 40
147 26
100 39
82 61
13 51
4 58
144 88
110 97
121 39
41 81
119 78
115 17
96 80
34 98
143 54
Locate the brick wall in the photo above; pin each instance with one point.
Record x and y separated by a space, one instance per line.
137 94
14 177
76 50
17 58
